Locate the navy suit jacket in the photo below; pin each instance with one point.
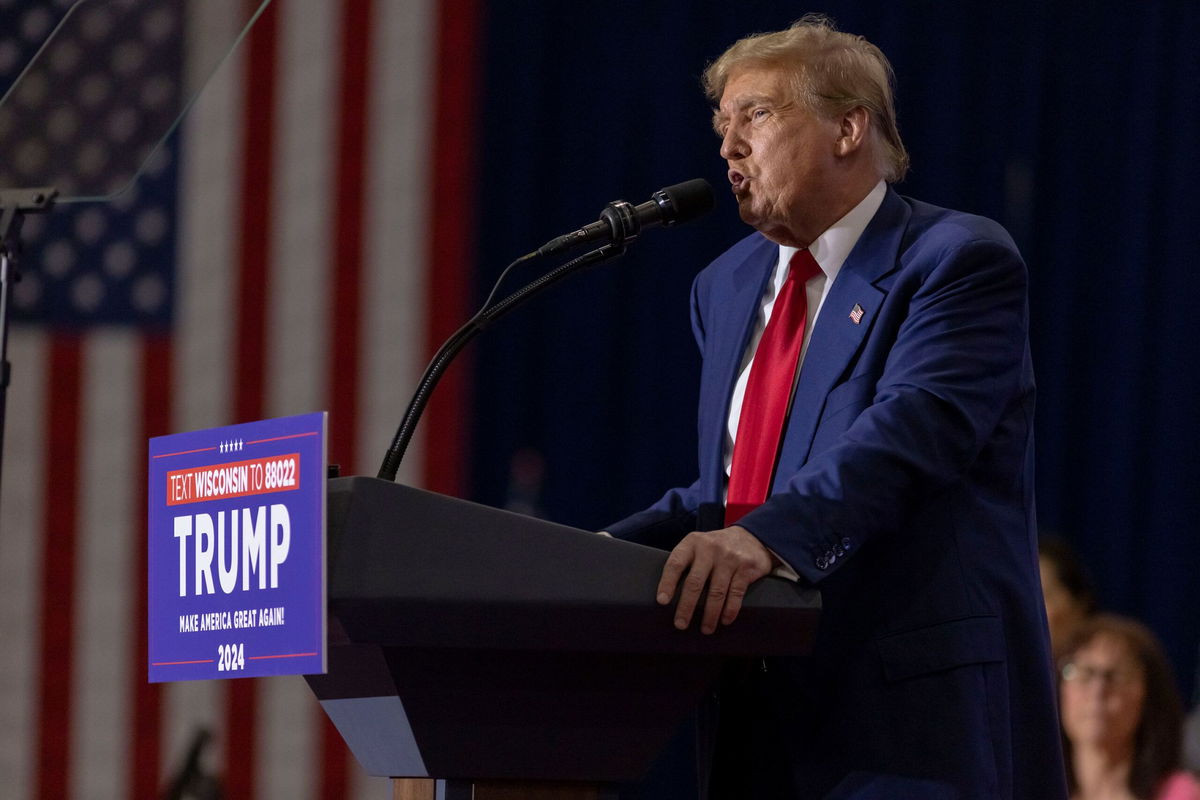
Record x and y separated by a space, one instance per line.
904 491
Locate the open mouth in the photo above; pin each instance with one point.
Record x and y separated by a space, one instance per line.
737 180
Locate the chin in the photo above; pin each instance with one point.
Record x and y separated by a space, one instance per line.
749 217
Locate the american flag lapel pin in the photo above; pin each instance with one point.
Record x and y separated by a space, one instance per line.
856 314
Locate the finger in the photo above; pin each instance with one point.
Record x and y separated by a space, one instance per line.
677 562
693 587
718 591
738 586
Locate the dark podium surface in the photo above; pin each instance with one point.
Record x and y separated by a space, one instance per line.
472 643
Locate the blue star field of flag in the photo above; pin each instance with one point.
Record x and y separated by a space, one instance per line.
89 112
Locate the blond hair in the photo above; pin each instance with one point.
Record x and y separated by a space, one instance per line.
833 72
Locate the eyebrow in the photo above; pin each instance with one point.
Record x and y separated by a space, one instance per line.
743 103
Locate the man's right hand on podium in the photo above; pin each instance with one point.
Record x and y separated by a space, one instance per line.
727 561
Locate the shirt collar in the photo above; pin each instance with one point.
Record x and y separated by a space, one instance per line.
832 247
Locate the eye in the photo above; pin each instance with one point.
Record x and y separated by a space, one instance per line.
759 113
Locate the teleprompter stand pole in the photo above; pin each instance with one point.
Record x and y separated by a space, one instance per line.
14 205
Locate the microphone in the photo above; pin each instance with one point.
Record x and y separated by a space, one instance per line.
620 222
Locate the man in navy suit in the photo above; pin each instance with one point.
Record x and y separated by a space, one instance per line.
901 479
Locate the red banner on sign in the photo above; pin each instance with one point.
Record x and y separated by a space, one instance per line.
234 479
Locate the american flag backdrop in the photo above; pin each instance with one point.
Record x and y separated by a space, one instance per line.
281 255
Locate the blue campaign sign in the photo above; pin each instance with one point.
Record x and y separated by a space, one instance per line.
237 551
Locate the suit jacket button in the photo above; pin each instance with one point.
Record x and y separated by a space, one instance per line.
846 543
822 562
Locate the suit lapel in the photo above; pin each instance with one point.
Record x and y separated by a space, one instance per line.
837 336
748 281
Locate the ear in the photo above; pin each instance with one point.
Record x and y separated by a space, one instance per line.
852 131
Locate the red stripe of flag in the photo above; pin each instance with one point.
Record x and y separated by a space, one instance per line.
350 146
451 237
145 755
61 488
258 130
343 393
254 231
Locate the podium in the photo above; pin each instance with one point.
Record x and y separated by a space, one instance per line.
493 649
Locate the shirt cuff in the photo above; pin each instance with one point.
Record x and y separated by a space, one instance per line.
782 568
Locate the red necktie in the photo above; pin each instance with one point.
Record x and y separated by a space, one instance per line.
769 392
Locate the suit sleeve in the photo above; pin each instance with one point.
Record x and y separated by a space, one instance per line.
956 367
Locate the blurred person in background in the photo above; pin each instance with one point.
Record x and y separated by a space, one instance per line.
1191 741
1066 589
1122 716
1191 730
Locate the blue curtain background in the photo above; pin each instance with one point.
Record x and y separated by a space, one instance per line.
1074 128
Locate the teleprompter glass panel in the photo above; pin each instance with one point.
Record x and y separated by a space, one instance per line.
108 85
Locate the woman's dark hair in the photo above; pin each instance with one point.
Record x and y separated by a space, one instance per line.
1158 740
1070 571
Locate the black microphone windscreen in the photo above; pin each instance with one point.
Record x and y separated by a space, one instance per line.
689 199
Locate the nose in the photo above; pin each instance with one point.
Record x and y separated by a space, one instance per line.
733 144
1097 687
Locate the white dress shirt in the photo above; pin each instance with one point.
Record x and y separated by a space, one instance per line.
829 250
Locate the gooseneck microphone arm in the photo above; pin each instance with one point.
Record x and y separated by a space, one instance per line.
459 339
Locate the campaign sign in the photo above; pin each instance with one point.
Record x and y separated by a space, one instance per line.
237 551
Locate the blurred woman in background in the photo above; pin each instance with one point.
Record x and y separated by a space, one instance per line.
1121 715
